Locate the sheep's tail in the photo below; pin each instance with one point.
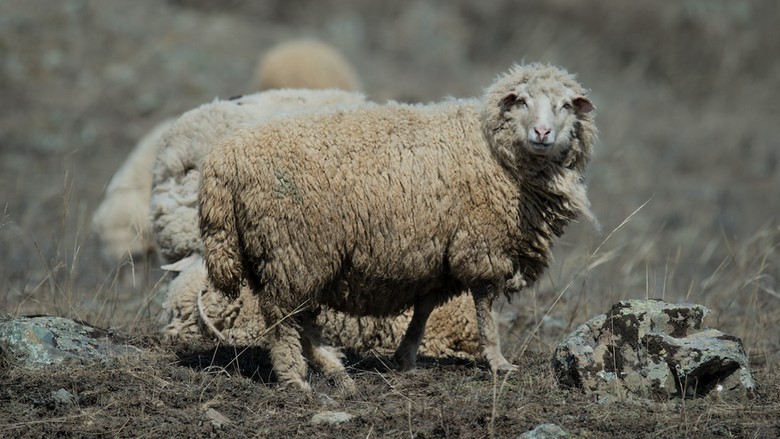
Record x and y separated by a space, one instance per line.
222 249
204 317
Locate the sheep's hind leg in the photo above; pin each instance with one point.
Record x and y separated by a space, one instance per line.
405 356
287 353
488 332
326 358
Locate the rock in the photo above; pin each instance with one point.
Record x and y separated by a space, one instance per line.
35 342
653 349
62 397
217 419
326 400
328 417
545 431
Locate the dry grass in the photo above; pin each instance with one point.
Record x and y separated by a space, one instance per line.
683 181
162 394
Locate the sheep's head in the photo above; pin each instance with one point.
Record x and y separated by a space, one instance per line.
541 112
545 121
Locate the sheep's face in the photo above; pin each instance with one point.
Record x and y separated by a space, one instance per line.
543 121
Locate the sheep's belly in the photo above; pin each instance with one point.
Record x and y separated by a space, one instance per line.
363 296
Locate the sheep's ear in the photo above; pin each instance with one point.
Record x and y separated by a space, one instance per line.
507 102
582 104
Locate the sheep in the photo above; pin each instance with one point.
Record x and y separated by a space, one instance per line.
121 220
173 207
195 312
174 220
374 210
291 64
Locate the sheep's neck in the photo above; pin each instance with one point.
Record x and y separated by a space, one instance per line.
545 207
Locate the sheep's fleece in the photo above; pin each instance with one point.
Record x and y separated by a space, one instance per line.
174 204
372 210
451 330
176 173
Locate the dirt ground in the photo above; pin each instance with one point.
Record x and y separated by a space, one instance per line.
684 181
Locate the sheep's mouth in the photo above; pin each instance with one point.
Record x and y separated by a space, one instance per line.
539 147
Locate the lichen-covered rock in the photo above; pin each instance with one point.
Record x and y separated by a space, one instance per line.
35 342
656 349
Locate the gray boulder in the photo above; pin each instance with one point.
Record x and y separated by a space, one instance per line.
653 349
35 342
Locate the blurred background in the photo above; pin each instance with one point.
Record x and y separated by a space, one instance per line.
688 104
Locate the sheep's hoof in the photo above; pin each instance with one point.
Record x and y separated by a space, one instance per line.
295 384
404 362
344 382
504 366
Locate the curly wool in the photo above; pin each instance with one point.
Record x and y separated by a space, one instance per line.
420 182
176 174
372 211
452 331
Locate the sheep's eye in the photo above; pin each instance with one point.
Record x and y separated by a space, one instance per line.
567 106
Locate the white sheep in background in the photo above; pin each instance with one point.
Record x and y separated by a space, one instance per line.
305 63
121 220
385 207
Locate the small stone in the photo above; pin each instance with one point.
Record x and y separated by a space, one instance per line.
333 418
545 431
217 419
326 400
62 397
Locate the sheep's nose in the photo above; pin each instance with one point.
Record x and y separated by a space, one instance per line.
542 132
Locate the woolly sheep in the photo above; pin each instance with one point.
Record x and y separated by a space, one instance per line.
176 173
390 206
194 311
174 210
121 220
291 64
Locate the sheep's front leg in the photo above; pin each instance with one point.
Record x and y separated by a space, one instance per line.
488 331
326 358
406 355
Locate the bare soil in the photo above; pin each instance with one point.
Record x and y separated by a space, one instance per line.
685 182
